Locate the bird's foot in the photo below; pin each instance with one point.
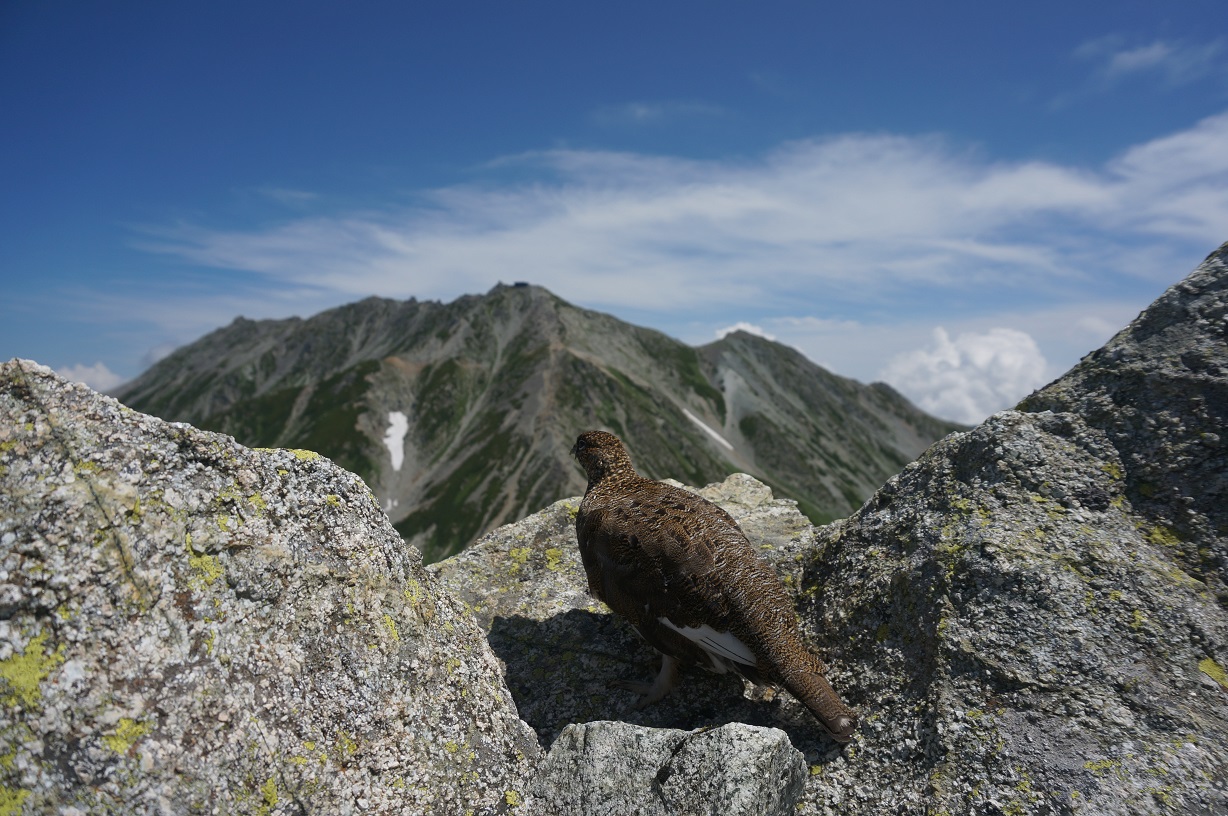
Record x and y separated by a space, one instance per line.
643 689
657 689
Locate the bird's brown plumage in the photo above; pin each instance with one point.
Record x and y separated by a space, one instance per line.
682 572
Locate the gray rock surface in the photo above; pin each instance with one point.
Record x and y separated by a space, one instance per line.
190 626
1029 618
616 769
1159 391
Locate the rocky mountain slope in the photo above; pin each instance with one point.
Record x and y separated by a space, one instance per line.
1030 618
460 415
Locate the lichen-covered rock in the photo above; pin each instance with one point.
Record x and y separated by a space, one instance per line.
190 626
1029 618
1159 390
616 769
1016 640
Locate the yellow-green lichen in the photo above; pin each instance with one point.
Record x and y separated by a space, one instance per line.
1213 670
11 800
257 501
1101 766
554 557
963 504
127 732
1114 470
23 673
333 499
346 745
268 797
519 556
207 568
85 468
1163 537
304 455
391 626
512 798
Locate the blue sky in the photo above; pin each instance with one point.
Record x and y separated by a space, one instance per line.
960 198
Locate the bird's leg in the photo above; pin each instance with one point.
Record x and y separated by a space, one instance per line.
658 688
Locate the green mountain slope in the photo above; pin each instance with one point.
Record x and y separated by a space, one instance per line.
495 388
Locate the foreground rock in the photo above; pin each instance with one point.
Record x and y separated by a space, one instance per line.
613 769
187 625
1029 618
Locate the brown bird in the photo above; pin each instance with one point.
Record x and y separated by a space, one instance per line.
683 573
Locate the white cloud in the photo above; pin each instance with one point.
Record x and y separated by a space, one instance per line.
96 376
1173 62
742 325
863 350
875 217
863 239
972 376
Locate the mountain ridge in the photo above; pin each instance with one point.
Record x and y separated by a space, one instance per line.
495 387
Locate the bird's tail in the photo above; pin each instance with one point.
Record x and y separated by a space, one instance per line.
813 690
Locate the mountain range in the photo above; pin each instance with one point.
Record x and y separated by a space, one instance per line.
460 415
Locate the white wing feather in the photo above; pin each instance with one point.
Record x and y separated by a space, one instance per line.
718 644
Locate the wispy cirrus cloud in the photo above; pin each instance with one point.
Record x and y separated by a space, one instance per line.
287 196
872 215
651 113
1174 63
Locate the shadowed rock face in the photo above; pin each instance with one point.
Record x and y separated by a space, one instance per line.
1026 617
187 625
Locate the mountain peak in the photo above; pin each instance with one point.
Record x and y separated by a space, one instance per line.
459 415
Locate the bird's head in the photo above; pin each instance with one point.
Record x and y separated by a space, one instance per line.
601 454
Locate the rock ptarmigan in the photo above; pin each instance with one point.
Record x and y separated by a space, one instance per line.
683 573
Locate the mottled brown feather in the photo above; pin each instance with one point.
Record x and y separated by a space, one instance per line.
655 551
